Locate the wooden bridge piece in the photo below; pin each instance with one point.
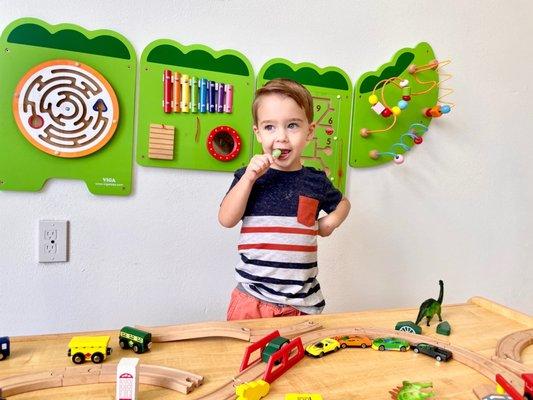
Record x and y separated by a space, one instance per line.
173 333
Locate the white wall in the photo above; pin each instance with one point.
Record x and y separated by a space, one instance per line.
459 208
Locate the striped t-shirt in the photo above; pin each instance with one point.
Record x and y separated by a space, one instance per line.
278 240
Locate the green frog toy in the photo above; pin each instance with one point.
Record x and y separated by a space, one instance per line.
412 391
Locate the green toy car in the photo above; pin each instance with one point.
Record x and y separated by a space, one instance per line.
390 343
273 346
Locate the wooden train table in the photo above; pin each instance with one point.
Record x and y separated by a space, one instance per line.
486 339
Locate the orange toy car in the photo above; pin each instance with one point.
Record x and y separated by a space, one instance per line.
353 341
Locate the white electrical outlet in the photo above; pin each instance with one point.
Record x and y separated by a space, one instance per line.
53 241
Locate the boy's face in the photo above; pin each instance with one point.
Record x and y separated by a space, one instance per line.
283 125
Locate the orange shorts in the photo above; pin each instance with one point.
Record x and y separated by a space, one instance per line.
245 306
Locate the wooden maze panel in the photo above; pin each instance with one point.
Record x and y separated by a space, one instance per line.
60 93
325 150
65 108
331 90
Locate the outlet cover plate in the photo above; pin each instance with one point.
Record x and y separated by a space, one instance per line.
53 241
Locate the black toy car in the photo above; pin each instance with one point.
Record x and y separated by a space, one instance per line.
438 353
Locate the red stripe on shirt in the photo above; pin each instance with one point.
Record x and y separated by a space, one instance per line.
274 246
278 229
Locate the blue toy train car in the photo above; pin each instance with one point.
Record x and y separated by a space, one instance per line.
4 347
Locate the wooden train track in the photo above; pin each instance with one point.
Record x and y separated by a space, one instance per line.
185 382
169 378
509 349
223 329
227 391
482 364
512 345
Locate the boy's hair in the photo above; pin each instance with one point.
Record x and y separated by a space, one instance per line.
286 88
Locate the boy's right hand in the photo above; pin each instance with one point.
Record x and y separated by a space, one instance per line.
259 164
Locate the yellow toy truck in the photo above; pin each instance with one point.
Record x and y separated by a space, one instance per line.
85 348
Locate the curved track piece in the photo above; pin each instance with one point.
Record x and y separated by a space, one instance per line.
512 345
169 378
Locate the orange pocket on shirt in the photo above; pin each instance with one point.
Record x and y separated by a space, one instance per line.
307 208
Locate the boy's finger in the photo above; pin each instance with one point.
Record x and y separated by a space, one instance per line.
270 158
265 161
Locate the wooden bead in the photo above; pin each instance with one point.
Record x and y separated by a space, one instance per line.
398 159
435 112
373 154
445 109
386 112
364 132
378 108
373 99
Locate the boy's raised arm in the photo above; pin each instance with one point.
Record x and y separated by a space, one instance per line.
233 206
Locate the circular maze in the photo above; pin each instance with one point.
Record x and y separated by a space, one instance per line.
65 108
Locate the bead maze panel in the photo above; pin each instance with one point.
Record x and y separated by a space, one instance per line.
332 100
67 100
394 106
204 97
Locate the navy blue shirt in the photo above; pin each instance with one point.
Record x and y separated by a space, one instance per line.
278 241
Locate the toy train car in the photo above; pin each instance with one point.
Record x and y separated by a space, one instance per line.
4 347
136 339
85 348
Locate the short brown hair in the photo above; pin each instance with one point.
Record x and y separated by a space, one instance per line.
287 88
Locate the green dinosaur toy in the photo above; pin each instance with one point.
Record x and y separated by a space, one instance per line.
430 307
412 391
